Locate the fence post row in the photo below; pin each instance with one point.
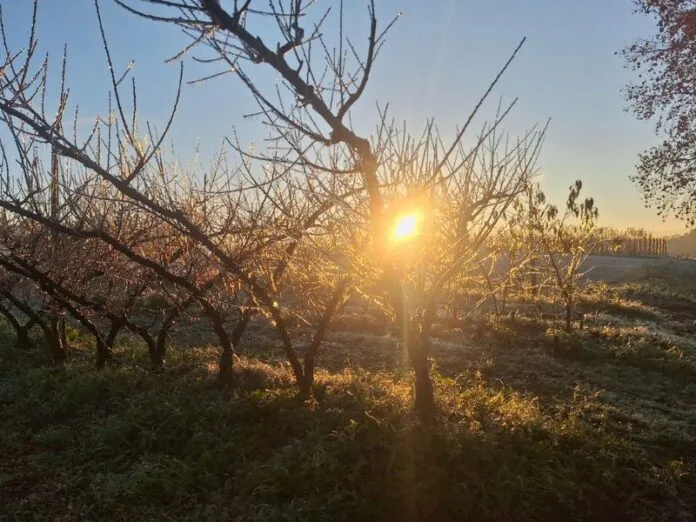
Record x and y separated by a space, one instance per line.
646 245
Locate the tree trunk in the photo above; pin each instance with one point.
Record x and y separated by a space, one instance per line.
295 364
153 351
229 344
161 340
416 335
113 332
62 331
338 299
156 355
57 346
569 313
169 319
22 332
226 364
416 339
103 352
240 327
56 349
226 361
23 341
102 349
424 394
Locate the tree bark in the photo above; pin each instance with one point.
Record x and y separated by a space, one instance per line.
161 339
63 331
23 341
418 346
161 342
103 352
57 345
416 338
569 313
156 356
56 349
240 328
424 394
226 362
113 332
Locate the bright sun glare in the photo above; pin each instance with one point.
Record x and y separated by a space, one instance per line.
405 226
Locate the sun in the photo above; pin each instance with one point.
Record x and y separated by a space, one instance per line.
406 226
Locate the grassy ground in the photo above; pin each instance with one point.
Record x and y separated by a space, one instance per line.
534 424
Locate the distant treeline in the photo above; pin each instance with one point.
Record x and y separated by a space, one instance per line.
683 245
631 242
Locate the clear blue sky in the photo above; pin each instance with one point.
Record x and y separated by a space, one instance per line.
437 61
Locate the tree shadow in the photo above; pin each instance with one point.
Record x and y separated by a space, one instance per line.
177 446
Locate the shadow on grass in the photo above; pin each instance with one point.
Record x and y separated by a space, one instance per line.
627 310
127 444
664 287
607 346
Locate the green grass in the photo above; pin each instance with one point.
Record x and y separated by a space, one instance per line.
533 424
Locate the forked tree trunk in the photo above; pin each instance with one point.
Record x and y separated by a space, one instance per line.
417 342
226 362
103 351
240 328
161 339
56 349
21 331
338 299
113 333
156 356
230 344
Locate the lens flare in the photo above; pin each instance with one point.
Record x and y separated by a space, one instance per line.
406 226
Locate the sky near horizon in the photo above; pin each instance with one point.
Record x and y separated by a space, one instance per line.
436 63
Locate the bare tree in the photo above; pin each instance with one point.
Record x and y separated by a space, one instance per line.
436 230
252 231
322 80
223 228
566 240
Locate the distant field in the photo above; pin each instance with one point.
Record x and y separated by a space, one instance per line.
615 268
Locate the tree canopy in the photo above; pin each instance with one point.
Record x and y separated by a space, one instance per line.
665 91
